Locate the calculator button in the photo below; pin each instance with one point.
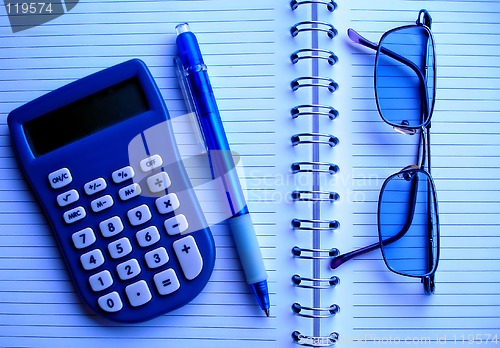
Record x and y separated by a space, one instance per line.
122 174
129 192
150 163
166 282
74 215
176 224
167 204
110 302
138 293
101 281
60 178
139 215
128 269
102 203
156 258
95 186
67 198
120 248
158 182
111 226
189 256
83 238
147 236
92 259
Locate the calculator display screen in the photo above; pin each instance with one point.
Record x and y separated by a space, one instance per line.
86 116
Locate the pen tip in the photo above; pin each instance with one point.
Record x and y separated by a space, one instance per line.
267 312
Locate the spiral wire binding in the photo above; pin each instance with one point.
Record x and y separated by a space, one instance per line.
330 4
314 138
314 109
315 168
300 27
314 196
315 341
314 53
303 167
316 282
329 225
314 81
316 253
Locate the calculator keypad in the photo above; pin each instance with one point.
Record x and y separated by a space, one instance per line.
127 269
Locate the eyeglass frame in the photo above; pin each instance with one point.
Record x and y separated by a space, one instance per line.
423 20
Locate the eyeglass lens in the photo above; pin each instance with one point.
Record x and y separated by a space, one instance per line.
404 76
407 223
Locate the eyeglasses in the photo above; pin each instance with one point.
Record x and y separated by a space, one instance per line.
405 88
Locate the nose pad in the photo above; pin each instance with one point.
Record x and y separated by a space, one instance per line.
404 128
407 173
407 176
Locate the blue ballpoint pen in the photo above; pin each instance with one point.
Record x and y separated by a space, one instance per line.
195 72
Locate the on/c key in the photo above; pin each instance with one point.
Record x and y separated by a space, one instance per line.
189 257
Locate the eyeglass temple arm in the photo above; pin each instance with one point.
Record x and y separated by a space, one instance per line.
357 38
340 259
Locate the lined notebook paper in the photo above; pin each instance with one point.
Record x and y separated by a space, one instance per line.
247 46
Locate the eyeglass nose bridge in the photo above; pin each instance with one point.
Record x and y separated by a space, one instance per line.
424 18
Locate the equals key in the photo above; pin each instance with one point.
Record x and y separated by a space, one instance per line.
166 282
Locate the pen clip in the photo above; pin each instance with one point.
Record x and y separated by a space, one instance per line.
191 108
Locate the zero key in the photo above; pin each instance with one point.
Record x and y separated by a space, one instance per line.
189 257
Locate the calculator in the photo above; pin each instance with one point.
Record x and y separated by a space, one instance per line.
101 157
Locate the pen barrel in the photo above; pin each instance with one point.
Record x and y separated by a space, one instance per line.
248 248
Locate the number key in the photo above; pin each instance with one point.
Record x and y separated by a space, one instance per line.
110 302
156 258
120 248
128 269
147 236
92 259
101 280
111 226
139 215
83 238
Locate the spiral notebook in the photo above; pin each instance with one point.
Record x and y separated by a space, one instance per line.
296 99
